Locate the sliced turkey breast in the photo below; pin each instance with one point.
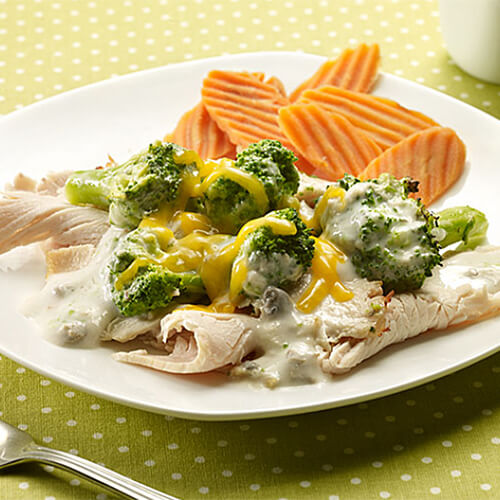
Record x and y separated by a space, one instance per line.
124 329
465 289
29 217
360 317
63 260
198 341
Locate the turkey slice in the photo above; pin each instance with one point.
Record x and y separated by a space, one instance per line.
198 341
63 260
29 217
464 290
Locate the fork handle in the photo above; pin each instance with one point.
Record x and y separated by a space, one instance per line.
96 473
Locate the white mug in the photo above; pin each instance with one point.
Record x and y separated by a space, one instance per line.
471 31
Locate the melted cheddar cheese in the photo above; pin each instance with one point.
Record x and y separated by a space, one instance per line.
324 277
216 268
215 256
189 222
225 168
314 221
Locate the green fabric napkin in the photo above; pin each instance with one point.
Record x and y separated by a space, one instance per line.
438 440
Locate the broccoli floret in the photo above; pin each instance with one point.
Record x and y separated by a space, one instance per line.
274 165
229 205
387 235
152 286
275 259
465 226
134 189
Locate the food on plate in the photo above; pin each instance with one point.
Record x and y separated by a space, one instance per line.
330 142
219 251
275 254
305 288
260 179
141 279
148 180
243 106
465 289
388 236
382 119
465 227
278 84
435 157
39 215
197 131
246 108
355 69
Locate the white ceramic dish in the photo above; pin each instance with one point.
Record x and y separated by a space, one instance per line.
79 128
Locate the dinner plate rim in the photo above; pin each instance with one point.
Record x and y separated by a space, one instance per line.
253 414
201 61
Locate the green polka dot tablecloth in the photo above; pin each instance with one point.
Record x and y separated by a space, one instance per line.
440 440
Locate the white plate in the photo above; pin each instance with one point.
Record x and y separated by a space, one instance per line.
78 129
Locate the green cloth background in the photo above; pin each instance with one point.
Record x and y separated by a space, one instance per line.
441 440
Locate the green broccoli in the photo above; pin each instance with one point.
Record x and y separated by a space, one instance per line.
150 285
271 259
229 205
463 225
387 235
136 188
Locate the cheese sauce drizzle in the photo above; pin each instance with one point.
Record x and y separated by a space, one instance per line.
331 193
215 256
324 277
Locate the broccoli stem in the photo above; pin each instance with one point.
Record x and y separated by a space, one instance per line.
90 187
142 185
462 224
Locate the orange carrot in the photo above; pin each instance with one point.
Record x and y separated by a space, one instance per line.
328 141
353 70
197 131
261 76
246 109
278 84
272 80
385 121
435 157
243 106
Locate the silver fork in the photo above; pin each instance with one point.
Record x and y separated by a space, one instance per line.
18 447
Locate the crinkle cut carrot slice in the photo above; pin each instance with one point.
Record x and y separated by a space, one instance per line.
385 121
328 141
246 108
243 106
197 131
355 69
272 80
261 76
435 157
278 84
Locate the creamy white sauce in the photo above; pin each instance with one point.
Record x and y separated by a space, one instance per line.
287 345
342 221
346 271
75 307
479 269
262 270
